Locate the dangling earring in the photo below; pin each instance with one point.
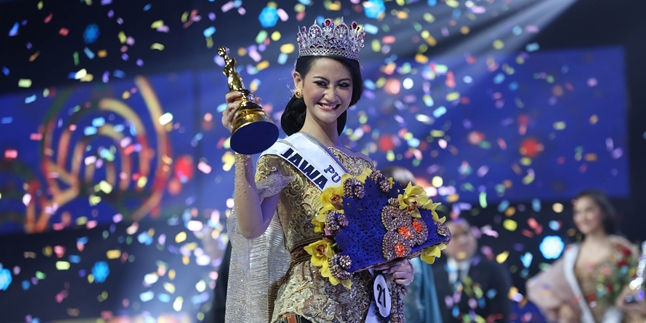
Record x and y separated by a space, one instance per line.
298 93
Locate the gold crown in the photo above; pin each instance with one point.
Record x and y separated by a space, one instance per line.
331 40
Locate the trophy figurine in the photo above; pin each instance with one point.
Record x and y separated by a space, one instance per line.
635 285
253 131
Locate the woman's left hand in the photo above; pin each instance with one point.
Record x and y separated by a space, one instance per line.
400 270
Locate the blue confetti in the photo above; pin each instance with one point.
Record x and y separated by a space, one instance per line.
89 131
5 278
370 29
5 71
88 53
146 296
208 32
391 59
118 73
432 3
517 30
532 47
455 312
305 2
536 205
499 78
100 271
147 7
119 128
91 33
14 30
554 225
75 259
527 259
25 284
97 122
374 8
504 204
6 120
268 17
144 238
30 99
513 86
413 142
439 112
165 298
82 240
282 58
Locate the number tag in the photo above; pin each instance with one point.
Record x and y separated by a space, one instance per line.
382 296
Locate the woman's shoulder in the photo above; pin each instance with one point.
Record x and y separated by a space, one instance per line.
622 245
355 154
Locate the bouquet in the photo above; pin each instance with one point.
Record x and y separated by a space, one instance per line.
369 220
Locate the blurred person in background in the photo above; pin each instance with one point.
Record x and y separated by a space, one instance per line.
421 302
585 283
470 287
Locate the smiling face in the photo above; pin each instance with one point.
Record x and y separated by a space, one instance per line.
327 90
588 216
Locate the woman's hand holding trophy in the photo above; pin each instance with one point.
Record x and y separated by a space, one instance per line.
252 131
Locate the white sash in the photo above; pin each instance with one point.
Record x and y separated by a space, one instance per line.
569 259
612 315
311 158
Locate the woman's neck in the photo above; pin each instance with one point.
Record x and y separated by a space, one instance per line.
597 237
326 134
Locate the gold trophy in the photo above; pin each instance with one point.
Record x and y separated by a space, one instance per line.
253 131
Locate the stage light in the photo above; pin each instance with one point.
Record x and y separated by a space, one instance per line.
551 247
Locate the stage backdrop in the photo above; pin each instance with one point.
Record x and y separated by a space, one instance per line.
130 181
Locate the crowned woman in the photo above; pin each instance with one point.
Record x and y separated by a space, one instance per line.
272 277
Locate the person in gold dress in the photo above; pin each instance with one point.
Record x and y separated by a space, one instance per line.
271 277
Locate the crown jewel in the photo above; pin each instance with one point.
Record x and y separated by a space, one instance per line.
331 40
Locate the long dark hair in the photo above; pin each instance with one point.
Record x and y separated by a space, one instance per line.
610 220
293 117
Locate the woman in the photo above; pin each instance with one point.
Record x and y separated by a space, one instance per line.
273 212
584 284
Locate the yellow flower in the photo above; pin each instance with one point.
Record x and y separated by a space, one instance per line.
331 199
325 272
320 251
432 207
413 197
429 254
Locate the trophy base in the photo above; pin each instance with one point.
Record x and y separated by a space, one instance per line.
253 131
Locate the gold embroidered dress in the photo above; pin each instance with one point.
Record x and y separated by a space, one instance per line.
302 290
601 283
